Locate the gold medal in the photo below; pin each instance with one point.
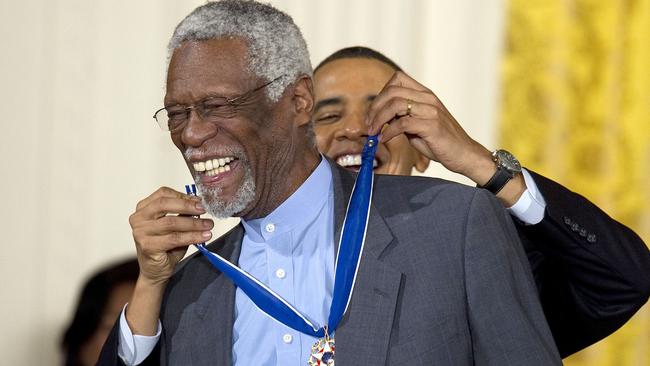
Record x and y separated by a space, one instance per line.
322 352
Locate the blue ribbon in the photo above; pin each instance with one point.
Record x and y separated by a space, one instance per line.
347 261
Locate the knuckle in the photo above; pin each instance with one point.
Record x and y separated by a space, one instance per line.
435 112
162 190
198 224
140 205
142 242
391 89
167 223
133 219
395 103
136 234
176 237
161 202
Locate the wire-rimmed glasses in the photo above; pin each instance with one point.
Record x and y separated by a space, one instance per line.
174 118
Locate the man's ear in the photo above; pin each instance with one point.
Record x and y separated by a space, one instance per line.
303 99
421 162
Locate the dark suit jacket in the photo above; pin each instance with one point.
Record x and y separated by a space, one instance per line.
588 288
592 272
443 281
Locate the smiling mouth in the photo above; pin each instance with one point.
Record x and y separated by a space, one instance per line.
212 167
353 161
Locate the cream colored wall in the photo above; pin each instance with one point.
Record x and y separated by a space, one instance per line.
79 82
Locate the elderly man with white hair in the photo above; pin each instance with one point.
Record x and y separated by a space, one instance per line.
427 272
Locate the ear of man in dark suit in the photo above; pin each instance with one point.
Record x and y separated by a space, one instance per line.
591 271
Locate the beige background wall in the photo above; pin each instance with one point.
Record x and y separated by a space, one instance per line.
79 81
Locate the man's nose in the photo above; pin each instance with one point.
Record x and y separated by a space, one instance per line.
197 130
353 127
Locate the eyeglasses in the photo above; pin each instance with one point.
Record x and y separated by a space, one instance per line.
213 109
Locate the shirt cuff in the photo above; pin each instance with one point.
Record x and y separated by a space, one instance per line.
530 207
133 349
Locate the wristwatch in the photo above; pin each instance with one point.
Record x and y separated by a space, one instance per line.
507 167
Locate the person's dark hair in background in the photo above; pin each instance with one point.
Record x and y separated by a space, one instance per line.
99 304
358 52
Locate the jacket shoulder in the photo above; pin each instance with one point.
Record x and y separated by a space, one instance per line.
422 191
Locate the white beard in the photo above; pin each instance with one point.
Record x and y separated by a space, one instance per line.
220 209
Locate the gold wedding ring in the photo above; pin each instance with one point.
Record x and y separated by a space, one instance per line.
409 106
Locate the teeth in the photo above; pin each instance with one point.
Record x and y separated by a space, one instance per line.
212 166
349 160
353 160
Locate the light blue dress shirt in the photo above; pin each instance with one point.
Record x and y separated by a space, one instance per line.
292 251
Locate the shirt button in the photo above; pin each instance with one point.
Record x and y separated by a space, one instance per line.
287 338
270 228
280 273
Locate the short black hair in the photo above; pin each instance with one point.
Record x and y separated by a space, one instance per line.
358 52
92 304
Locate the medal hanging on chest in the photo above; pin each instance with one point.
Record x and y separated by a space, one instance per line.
322 352
348 257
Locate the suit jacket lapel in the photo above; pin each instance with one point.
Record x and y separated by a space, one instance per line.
363 336
212 344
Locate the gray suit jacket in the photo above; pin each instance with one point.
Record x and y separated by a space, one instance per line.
443 281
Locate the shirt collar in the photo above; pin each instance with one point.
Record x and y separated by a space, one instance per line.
302 206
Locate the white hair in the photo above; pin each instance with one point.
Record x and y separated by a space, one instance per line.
275 45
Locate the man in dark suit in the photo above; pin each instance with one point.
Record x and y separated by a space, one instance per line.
442 277
592 272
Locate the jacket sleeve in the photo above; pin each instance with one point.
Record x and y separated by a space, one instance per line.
592 272
506 320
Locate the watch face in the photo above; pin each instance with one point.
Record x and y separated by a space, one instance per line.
508 161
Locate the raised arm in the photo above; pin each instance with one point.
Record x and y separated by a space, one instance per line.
163 228
592 272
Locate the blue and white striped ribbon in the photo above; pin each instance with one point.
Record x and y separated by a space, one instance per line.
347 260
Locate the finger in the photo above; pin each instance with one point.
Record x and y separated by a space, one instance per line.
178 239
169 224
394 91
403 85
164 192
423 121
398 106
162 206
407 125
403 79
397 99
